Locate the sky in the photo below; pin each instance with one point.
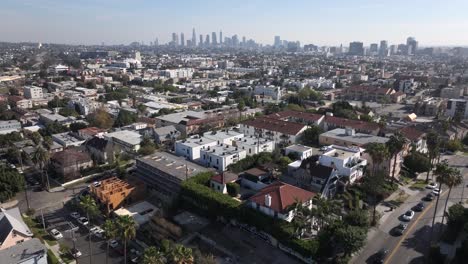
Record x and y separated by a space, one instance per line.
320 22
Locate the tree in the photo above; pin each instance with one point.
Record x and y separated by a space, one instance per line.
75 126
351 238
141 109
110 230
310 137
40 158
127 230
65 111
241 105
11 182
153 256
88 204
454 145
233 189
450 177
433 145
283 163
147 147
181 255
125 118
357 217
48 142
35 137
417 162
395 145
374 186
101 119
378 153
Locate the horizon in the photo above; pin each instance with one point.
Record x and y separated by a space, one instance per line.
87 22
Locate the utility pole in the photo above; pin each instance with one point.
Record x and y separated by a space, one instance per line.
24 177
43 222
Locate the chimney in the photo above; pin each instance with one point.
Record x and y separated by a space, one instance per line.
268 200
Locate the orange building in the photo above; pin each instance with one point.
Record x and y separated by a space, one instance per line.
114 193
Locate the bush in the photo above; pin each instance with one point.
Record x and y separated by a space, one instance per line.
51 258
233 189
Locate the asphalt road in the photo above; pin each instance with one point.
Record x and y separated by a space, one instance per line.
413 244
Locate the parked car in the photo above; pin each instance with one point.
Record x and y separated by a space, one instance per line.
380 256
419 207
75 253
56 234
432 185
408 215
429 197
113 243
83 221
400 229
437 191
97 183
75 215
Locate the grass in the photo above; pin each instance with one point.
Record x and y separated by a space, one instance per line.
39 232
419 185
402 196
51 258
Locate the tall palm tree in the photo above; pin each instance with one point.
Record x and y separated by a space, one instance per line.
433 147
395 145
182 255
153 256
452 178
89 206
40 158
378 152
111 231
127 231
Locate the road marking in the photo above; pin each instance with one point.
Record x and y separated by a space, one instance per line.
395 249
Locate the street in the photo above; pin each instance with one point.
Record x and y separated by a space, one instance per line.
412 246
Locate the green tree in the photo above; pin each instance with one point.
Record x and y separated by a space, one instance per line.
127 230
395 145
153 256
148 147
75 126
433 146
11 182
142 109
378 153
101 119
357 217
181 255
40 158
454 145
125 118
233 189
88 204
351 238
310 137
417 162
35 137
111 231
374 186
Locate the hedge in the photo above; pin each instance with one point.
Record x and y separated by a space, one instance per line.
51 258
203 200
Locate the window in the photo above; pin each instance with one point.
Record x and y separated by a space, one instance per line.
219 188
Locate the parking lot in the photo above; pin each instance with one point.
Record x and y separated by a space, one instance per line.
77 235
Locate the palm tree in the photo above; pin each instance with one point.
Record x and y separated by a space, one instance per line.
452 178
89 206
153 256
111 231
40 157
378 152
395 145
181 255
127 231
433 144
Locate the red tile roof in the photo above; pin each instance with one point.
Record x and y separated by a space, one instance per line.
225 177
369 89
411 133
356 124
282 195
296 114
285 127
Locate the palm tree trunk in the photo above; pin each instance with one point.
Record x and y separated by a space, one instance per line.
89 233
47 181
429 171
374 211
125 251
107 252
394 167
446 203
434 216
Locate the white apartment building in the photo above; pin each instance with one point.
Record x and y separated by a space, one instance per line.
302 152
223 136
254 145
273 92
221 156
346 161
33 92
457 108
192 146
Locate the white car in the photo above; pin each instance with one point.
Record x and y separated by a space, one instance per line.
56 234
432 185
96 229
83 220
437 191
75 253
99 233
113 243
97 183
408 215
75 215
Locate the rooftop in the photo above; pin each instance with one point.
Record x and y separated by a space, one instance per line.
298 148
285 127
29 251
126 136
358 139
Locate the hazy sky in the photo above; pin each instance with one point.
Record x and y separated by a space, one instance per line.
323 22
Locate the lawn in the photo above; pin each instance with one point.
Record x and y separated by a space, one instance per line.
39 232
419 185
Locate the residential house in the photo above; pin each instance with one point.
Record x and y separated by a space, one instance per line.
13 230
9 126
219 181
282 132
348 137
20 102
100 149
347 162
415 137
31 251
166 135
125 140
114 193
278 199
300 151
372 94
91 132
69 162
68 139
331 122
254 145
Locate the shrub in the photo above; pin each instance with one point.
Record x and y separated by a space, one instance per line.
233 189
51 258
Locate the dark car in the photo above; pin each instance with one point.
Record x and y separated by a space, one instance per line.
400 229
419 207
381 255
429 197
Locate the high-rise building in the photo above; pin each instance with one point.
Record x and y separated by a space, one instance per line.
374 47
220 37
393 49
243 41
175 39
194 38
200 43
235 41
277 43
214 41
182 39
207 40
411 45
383 51
356 48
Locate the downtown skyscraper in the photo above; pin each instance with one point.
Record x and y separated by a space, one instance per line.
194 38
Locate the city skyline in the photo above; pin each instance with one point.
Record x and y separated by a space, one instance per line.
340 22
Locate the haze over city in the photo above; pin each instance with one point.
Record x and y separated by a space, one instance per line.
333 22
